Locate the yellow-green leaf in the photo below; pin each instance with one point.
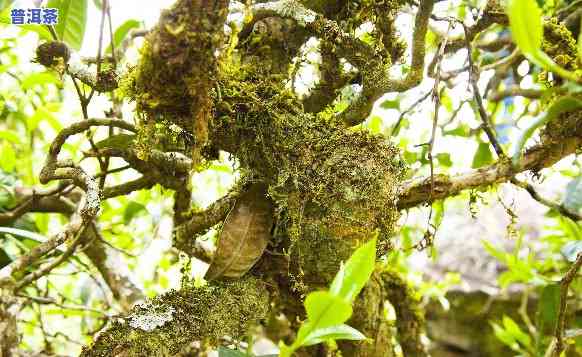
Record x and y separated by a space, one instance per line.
525 21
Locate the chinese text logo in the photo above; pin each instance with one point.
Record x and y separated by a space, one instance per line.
38 16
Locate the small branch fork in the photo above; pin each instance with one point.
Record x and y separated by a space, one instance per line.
88 206
372 65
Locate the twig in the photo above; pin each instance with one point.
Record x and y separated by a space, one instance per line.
486 124
49 301
561 321
560 208
36 274
396 127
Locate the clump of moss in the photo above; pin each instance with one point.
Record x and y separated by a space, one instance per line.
337 185
175 75
560 45
177 318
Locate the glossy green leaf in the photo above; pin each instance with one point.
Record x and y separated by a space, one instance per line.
324 309
22 233
39 79
121 33
10 136
355 273
4 258
548 305
132 209
560 106
525 22
4 4
483 156
8 161
504 336
338 332
72 21
512 328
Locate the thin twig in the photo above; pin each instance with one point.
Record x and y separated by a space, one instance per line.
561 322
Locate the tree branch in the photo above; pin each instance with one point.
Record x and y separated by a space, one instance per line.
173 320
417 190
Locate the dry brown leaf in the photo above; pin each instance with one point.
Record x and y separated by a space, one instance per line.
244 236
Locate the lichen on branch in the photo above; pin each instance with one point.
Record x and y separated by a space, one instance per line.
168 323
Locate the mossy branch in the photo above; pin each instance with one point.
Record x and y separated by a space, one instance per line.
170 322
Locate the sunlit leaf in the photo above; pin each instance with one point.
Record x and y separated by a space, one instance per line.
72 21
512 328
39 79
483 156
26 234
121 33
338 332
132 209
548 305
525 22
355 273
324 309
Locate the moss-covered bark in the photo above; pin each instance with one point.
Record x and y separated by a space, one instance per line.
175 76
171 321
336 186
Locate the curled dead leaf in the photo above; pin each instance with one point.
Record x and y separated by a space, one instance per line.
245 234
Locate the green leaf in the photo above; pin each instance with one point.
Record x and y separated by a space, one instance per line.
324 309
548 304
390 104
132 209
483 156
494 252
560 106
504 336
516 331
121 33
4 4
39 79
10 136
338 332
45 113
444 159
355 273
227 352
573 199
4 258
72 21
525 22
22 233
8 162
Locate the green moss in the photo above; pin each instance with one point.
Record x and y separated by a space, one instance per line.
173 320
172 82
560 45
337 185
